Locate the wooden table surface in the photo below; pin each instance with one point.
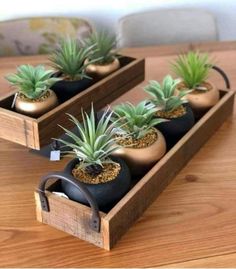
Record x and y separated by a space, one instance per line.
192 224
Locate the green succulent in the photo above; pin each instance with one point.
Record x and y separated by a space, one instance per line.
69 59
95 142
193 68
104 44
135 121
32 82
164 97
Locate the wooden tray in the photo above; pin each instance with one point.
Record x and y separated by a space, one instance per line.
75 218
36 133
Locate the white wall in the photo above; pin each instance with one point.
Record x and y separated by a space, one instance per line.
105 13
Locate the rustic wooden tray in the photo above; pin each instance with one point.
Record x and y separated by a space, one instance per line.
77 219
36 133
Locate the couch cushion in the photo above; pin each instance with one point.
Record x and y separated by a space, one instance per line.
39 35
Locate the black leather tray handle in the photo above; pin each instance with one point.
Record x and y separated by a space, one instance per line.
95 222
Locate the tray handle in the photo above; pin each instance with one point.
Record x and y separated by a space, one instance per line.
223 74
95 221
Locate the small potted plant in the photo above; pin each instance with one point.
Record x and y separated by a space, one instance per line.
106 177
142 144
34 97
103 50
68 61
193 69
172 106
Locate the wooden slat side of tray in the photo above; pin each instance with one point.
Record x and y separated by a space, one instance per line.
114 95
70 217
18 128
131 207
100 94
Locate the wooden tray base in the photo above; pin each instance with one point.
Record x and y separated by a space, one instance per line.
74 218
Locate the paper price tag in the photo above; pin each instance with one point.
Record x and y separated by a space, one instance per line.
61 194
55 155
14 100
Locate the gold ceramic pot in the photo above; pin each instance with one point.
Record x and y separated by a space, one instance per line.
36 108
140 160
200 102
96 70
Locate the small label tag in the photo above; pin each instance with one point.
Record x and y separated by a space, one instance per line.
61 194
55 155
14 100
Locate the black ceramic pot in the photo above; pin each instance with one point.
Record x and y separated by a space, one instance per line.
176 128
66 89
105 194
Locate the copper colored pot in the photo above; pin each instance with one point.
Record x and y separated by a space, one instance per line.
36 108
102 70
200 102
140 160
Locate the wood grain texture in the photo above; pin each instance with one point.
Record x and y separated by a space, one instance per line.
18 128
223 261
36 133
71 217
159 177
100 94
193 220
74 218
180 48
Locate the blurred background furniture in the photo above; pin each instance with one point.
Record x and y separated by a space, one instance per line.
166 27
30 36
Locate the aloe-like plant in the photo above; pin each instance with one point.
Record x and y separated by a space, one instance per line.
32 82
164 97
193 68
69 59
135 121
95 142
104 44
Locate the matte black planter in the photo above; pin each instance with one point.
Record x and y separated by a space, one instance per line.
66 89
175 128
105 194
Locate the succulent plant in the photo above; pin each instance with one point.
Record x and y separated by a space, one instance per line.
69 59
95 142
32 82
164 97
135 121
104 47
193 68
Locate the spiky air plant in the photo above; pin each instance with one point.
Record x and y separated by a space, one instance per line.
164 96
193 68
142 143
69 59
135 121
104 44
95 142
32 82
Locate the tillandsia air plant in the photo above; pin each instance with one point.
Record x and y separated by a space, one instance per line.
95 142
69 59
104 44
142 143
135 121
32 82
164 96
94 163
171 105
193 68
